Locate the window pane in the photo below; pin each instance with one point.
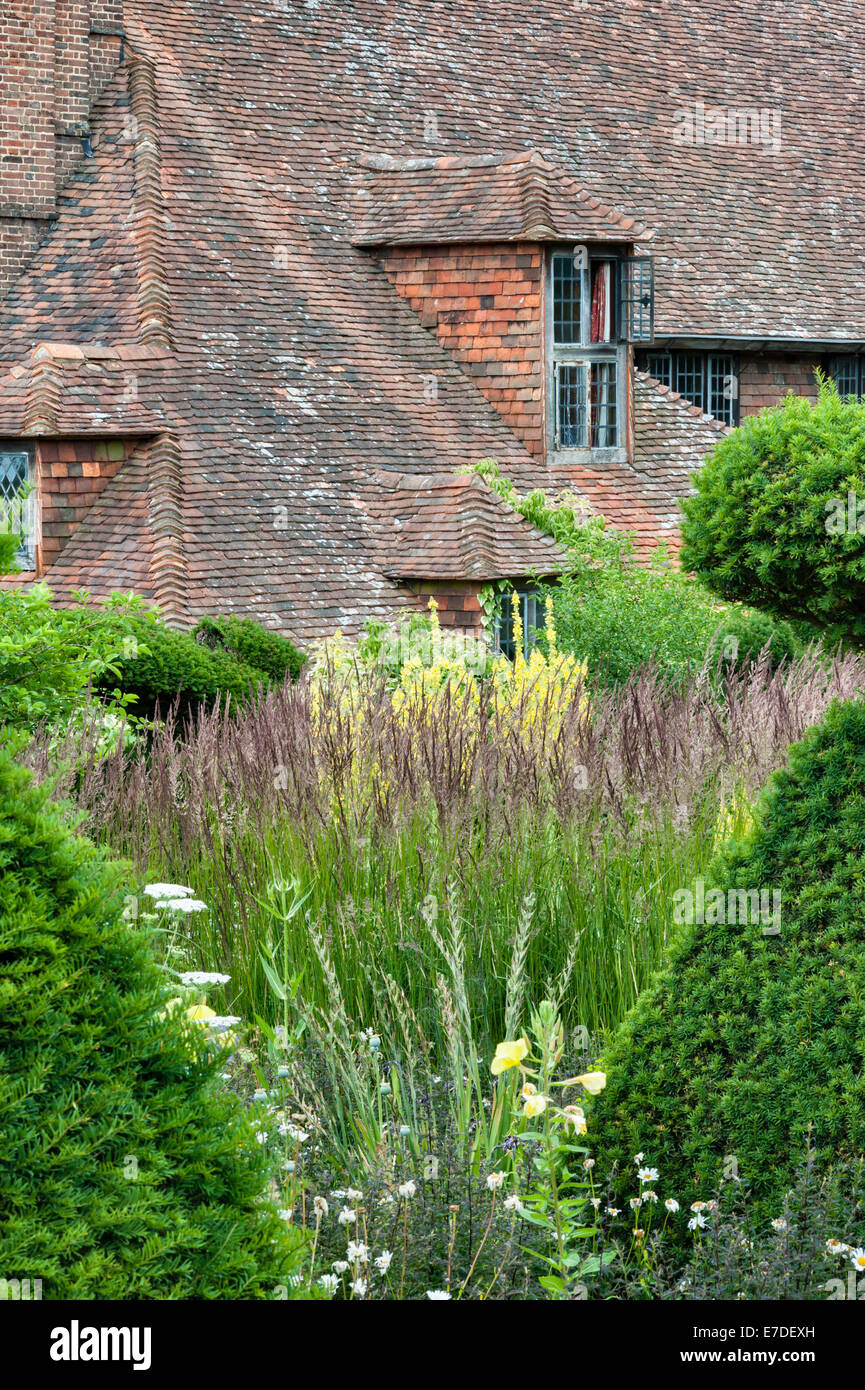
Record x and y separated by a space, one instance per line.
571 406
532 613
602 405
723 389
567 300
845 371
15 510
690 378
660 366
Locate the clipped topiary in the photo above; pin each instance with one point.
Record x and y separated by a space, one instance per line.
745 633
124 1172
253 644
777 519
161 664
756 1028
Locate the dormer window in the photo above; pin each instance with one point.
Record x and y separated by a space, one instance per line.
598 301
17 503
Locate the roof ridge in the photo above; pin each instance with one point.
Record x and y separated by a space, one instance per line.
154 305
165 514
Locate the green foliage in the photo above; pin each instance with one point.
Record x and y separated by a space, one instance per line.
614 613
252 644
49 657
124 1172
747 1038
745 632
771 523
160 664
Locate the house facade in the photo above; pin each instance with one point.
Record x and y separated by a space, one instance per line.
274 274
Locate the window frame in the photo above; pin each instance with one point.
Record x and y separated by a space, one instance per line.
585 354
675 357
531 600
25 555
858 372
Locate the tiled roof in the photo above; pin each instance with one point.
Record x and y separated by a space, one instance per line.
516 197
456 527
672 439
296 369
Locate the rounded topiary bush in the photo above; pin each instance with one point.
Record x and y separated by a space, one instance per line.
252 643
747 1037
162 665
125 1173
745 633
777 518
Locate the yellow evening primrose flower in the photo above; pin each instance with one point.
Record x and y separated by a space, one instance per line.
574 1116
594 1081
535 1105
509 1054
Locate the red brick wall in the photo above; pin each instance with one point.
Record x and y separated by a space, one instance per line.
71 473
766 380
485 305
48 79
458 603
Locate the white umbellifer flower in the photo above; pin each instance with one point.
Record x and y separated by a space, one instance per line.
779 1224
346 1216
495 1180
696 1222
286 1213
340 1266
648 1175
184 905
596 1202
407 1189
339 1193
320 1206
359 1287
222 1023
203 977
857 1257
329 1282
383 1260
513 1203
437 1295
671 1204
167 890
588 1164
299 1136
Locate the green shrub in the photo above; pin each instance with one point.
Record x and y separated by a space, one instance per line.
252 643
744 633
160 664
124 1172
50 657
747 1038
771 523
613 612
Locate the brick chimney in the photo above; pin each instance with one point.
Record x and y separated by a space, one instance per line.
56 57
